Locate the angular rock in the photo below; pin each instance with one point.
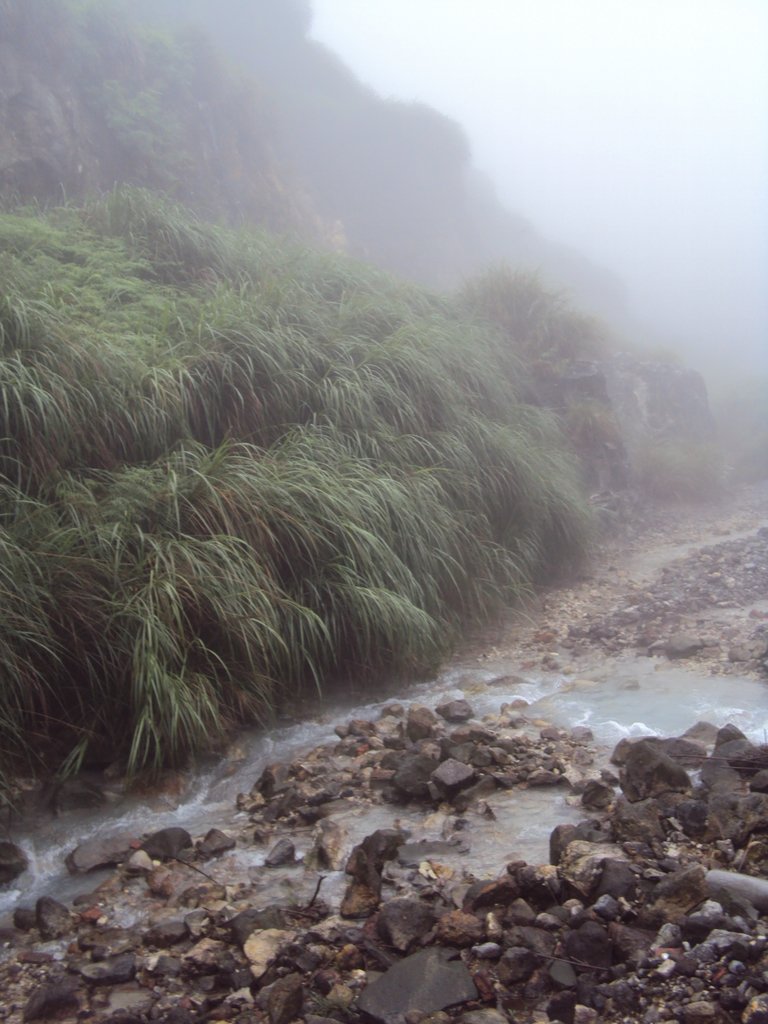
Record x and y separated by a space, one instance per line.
166 933
589 944
426 981
328 851
597 795
167 844
114 970
679 893
582 864
452 776
53 1000
457 928
285 1000
455 710
420 723
99 853
53 919
404 920
647 772
244 924
364 865
413 775
283 852
262 947
517 964
215 844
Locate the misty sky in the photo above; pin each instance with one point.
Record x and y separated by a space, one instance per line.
635 130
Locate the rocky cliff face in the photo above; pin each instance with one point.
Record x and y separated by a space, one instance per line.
87 102
614 407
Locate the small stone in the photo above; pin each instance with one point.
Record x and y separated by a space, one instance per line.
286 999
167 844
282 853
458 928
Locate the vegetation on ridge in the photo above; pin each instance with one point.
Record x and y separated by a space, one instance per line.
232 469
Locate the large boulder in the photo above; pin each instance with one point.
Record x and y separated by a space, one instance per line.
648 772
99 853
424 982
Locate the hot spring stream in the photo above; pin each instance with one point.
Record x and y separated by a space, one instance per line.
631 696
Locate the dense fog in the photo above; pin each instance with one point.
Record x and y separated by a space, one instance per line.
637 133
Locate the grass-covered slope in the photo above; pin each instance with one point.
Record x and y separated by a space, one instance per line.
230 470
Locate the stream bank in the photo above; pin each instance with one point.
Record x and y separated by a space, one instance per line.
159 941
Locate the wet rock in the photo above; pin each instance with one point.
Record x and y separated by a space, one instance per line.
734 816
490 892
414 774
282 853
630 944
478 791
404 920
562 835
53 919
562 974
166 933
679 893
167 843
215 844
13 862
683 645
517 964
244 924
617 879
328 849
597 795
590 944
113 971
24 918
286 999
365 865
262 947
451 777
582 864
756 1010
648 772
457 928
426 981
99 853
274 778
455 710
420 723
139 863
53 1000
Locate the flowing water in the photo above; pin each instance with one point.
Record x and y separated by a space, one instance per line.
630 696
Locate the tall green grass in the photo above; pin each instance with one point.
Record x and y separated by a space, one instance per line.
232 470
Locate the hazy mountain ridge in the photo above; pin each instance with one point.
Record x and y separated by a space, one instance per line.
289 139
87 102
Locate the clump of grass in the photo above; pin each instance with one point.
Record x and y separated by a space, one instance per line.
537 321
234 469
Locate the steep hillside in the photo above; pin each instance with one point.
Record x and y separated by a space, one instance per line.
86 101
281 136
231 470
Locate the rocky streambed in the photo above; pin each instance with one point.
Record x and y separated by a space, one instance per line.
387 874
652 907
